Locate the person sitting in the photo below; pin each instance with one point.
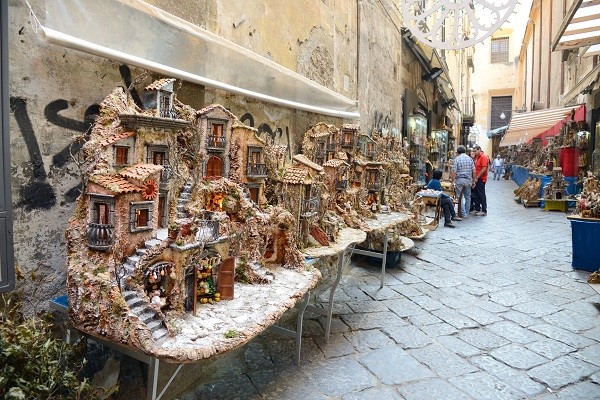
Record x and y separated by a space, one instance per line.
445 201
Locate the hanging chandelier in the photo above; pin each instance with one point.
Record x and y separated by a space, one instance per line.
455 24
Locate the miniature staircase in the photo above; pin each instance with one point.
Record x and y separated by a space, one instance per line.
146 314
131 262
184 198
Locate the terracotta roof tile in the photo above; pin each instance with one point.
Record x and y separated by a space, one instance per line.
115 184
116 137
351 126
301 158
140 171
336 162
295 175
159 84
211 107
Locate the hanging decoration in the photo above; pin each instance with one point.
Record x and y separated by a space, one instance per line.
455 24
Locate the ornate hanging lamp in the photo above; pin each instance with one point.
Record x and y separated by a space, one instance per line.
455 24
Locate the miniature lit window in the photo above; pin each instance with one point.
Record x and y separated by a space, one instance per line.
121 155
253 194
141 216
347 138
214 167
102 209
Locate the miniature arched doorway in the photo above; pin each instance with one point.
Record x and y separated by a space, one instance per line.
159 281
214 167
201 279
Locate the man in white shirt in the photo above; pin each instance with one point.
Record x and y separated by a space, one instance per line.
498 166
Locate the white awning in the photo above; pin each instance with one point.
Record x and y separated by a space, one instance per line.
526 126
584 84
136 33
581 26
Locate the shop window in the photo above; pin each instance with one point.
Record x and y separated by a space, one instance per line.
121 155
499 50
140 218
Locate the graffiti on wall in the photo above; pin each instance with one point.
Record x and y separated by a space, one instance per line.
38 193
278 135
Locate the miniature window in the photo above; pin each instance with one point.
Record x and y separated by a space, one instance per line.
499 50
140 218
254 155
102 209
254 192
216 138
159 155
347 138
121 155
165 104
214 167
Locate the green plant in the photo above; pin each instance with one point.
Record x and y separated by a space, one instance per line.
34 364
231 333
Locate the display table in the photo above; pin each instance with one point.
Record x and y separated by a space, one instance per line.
586 242
556 205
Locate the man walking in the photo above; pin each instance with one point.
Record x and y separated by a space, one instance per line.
463 169
482 163
498 166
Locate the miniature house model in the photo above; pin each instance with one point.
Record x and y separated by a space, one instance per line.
557 188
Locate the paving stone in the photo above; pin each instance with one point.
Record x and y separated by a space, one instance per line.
590 354
447 364
337 346
550 348
394 366
586 306
562 335
513 377
455 318
441 329
284 383
384 293
524 320
508 298
337 325
536 308
580 391
338 376
562 371
572 321
238 387
374 393
427 303
406 290
366 306
433 388
424 319
482 385
517 357
458 346
513 332
480 315
372 320
404 307
593 334
368 340
354 293
407 336
482 339
491 306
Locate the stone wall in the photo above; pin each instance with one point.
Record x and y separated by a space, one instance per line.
55 93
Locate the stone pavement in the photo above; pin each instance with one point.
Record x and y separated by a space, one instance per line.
489 310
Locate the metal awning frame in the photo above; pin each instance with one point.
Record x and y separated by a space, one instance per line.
580 27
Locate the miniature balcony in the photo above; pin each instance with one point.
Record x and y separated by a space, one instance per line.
169 114
373 186
347 143
100 236
217 143
370 153
208 231
256 170
341 184
320 153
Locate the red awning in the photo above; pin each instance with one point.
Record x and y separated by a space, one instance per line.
524 127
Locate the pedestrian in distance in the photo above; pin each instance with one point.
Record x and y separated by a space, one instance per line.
481 172
498 166
463 170
445 201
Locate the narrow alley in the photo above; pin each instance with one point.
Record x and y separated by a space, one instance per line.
489 310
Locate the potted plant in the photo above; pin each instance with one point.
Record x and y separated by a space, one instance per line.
173 230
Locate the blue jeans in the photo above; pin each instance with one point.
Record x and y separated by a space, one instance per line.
497 172
464 183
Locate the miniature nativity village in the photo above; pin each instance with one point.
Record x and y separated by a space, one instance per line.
192 233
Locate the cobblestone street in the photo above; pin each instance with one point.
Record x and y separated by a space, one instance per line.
489 310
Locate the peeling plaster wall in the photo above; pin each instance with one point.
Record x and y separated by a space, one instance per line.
54 91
